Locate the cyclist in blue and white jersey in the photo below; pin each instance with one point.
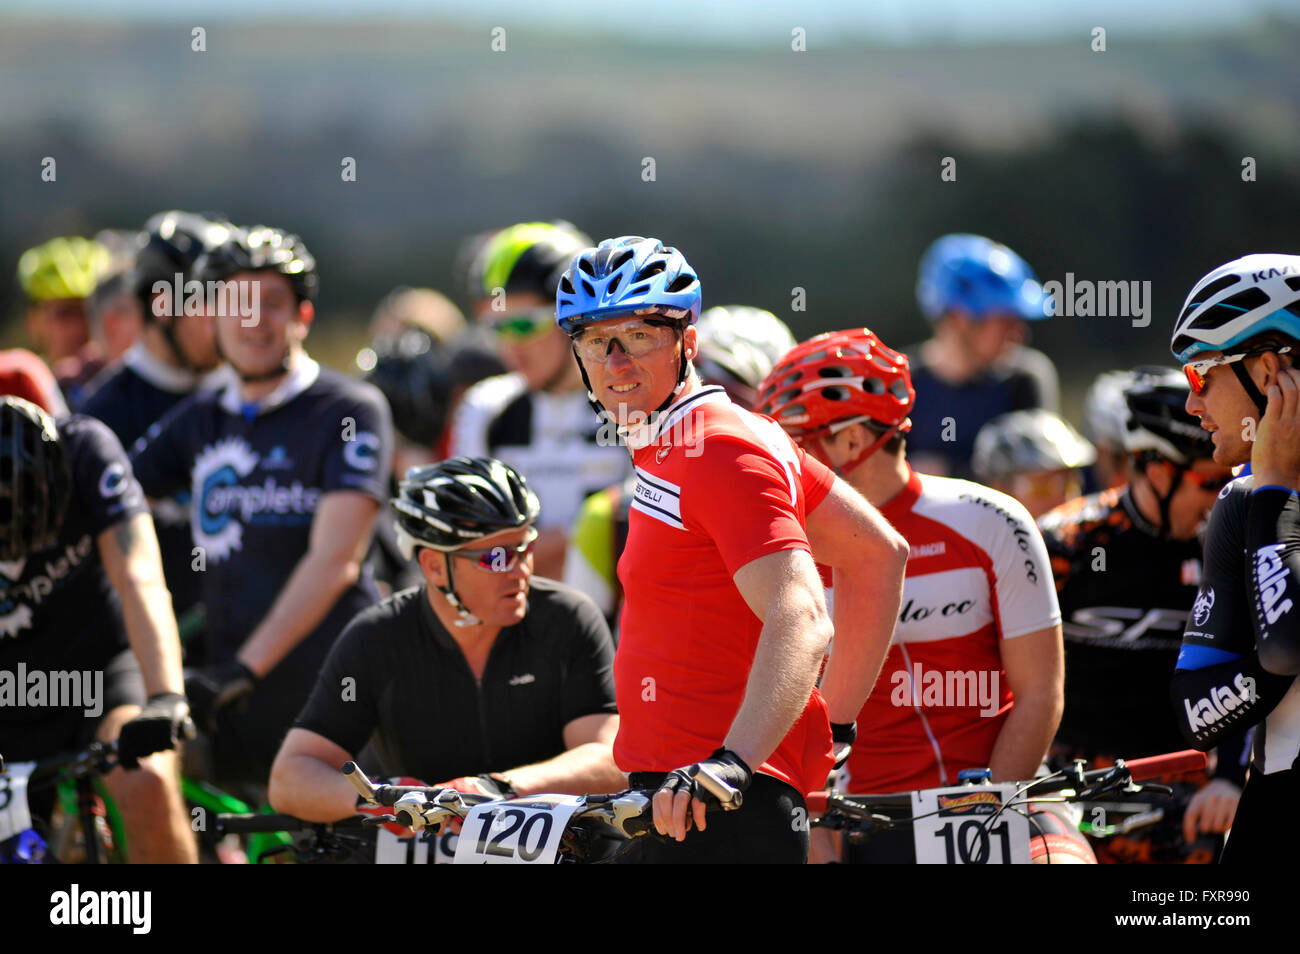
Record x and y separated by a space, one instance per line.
287 462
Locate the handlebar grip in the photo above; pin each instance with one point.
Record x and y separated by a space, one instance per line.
1172 763
365 788
728 797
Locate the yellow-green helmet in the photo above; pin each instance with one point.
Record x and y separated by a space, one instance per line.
65 267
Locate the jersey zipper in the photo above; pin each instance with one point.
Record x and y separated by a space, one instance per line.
920 714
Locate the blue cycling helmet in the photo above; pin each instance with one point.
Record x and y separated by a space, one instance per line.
975 275
625 275
1238 301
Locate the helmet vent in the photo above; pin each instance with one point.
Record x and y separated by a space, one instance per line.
682 282
835 394
586 287
654 268
835 371
1208 292
613 285
873 386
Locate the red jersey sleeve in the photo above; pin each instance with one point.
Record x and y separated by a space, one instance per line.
740 497
817 479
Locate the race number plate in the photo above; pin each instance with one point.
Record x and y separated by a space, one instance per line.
964 825
524 832
15 818
424 848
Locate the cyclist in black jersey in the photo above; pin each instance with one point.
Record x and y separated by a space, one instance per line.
287 462
482 669
1127 562
1239 332
169 361
82 597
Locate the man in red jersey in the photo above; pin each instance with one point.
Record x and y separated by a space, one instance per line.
724 625
975 675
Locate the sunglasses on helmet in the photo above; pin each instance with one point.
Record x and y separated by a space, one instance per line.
1196 370
500 559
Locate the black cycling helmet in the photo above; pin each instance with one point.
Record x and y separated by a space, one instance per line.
412 372
449 504
1160 429
170 243
261 248
1158 422
34 480
446 505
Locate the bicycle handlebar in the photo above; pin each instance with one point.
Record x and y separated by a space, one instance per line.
1123 771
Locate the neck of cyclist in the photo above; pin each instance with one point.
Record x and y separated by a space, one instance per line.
260 388
1151 482
881 477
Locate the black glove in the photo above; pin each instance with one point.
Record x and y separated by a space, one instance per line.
724 764
214 687
843 735
163 721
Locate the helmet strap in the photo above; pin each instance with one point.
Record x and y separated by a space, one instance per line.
820 435
603 413
463 616
1248 385
1163 501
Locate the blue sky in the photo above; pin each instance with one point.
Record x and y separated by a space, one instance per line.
729 21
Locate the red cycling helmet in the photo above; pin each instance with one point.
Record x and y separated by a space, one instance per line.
837 379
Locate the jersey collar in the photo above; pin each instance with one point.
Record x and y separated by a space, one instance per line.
304 374
164 377
1131 508
904 500
643 435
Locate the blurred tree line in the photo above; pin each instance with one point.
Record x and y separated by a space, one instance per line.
1105 199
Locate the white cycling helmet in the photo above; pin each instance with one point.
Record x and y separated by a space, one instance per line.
1105 412
1238 301
742 341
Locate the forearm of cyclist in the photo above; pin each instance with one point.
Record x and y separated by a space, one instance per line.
586 765
869 559
784 591
1213 702
1035 670
340 535
129 552
306 781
